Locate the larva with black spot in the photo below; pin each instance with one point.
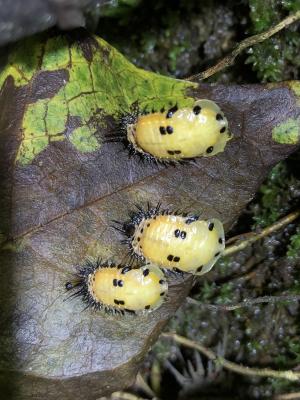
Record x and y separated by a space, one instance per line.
117 288
177 134
175 241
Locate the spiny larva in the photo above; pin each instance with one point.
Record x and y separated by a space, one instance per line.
120 288
174 241
177 134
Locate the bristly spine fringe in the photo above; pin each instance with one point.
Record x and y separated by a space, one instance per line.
80 283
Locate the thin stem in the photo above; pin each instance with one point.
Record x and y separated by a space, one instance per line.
142 384
124 396
239 369
248 42
245 303
257 236
288 396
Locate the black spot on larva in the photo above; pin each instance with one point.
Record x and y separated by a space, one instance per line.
217 254
147 307
211 226
138 239
115 282
121 302
177 270
171 112
129 311
177 233
94 278
199 268
161 282
125 270
220 240
183 235
177 151
189 220
169 129
197 110
148 225
176 259
170 152
170 257
210 149
162 293
68 286
142 230
146 272
219 117
162 130
222 130
120 283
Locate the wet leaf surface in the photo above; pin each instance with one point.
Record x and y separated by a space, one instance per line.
61 187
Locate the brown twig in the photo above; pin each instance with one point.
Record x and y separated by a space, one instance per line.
288 396
257 236
122 396
140 383
245 303
250 41
239 369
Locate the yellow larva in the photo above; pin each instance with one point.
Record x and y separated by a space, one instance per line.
176 242
121 288
178 134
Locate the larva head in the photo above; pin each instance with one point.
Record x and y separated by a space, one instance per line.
178 134
178 242
122 288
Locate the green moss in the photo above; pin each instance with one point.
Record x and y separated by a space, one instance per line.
270 206
254 346
223 266
292 5
262 13
93 89
118 7
294 246
276 58
293 346
291 353
162 350
207 292
288 132
225 293
283 385
221 295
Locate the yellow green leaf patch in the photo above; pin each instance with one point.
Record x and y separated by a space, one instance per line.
100 82
288 132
